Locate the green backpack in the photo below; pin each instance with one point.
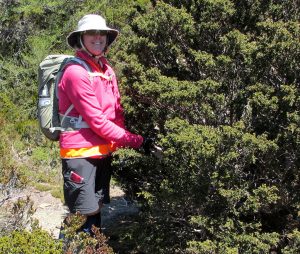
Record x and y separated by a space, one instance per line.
49 74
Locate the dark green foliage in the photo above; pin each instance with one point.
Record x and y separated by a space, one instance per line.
221 81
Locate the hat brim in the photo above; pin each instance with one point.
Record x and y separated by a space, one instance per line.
72 38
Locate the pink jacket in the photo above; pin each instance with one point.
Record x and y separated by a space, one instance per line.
98 102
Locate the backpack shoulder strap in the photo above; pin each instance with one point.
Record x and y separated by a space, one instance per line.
59 75
63 66
83 63
89 70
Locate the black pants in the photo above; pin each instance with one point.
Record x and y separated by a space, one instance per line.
86 183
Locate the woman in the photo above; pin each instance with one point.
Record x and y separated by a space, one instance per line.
86 150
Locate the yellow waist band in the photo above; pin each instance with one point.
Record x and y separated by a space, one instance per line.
94 151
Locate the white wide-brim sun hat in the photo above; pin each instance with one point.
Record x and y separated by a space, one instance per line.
91 22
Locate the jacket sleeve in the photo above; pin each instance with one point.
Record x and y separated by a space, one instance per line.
82 96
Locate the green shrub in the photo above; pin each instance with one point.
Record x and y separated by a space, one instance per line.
24 242
221 82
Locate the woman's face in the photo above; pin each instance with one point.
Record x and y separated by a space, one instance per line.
95 41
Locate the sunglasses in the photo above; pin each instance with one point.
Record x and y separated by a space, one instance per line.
96 32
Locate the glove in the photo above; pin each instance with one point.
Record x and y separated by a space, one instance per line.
147 145
157 152
130 140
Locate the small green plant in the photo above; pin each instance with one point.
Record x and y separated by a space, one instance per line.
57 192
80 242
18 239
35 242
